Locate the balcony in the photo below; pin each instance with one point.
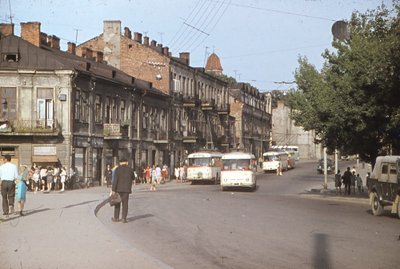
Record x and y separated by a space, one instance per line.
114 131
189 137
224 109
191 101
207 104
30 127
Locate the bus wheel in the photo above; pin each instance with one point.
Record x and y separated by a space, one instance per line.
377 208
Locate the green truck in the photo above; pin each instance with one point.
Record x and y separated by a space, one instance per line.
384 185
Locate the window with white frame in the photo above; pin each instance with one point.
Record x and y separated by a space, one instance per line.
45 107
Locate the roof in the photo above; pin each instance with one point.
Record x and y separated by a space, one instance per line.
238 155
213 63
204 154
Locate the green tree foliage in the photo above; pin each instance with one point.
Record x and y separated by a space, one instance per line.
353 103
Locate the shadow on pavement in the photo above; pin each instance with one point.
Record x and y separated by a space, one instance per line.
82 203
321 258
139 217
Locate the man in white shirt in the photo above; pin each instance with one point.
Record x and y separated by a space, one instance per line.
8 175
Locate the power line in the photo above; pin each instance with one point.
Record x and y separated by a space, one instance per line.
279 11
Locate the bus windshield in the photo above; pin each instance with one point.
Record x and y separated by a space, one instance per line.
271 158
200 162
236 164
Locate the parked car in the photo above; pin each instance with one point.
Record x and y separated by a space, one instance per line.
330 166
384 185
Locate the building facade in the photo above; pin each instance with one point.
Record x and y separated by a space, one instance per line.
77 112
199 113
252 113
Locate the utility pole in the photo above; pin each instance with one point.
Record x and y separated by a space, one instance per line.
325 171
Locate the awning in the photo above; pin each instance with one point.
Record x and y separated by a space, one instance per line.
44 159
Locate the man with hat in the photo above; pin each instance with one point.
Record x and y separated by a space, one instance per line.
122 184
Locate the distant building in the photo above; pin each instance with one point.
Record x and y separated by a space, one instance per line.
284 133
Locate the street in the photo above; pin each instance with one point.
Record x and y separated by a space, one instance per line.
199 226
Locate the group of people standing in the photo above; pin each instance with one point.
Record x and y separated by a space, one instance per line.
47 178
350 180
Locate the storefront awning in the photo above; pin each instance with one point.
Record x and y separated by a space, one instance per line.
44 159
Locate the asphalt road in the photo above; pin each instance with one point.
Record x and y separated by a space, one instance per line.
277 226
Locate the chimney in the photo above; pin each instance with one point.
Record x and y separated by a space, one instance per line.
71 48
6 29
138 37
54 42
166 51
185 56
112 43
146 40
99 56
153 44
127 33
159 48
87 53
30 31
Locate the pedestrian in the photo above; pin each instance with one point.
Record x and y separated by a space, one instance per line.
21 187
158 174
338 182
347 181
8 174
49 178
182 173
279 169
147 174
122 184
353 182
177 171
164 173
359 184
36 180
43 177
63 178
108 175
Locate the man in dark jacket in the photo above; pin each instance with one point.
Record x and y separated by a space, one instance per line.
347 181
122 184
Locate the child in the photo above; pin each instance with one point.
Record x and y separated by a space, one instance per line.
20 190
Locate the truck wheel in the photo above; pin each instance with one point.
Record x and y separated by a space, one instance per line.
398 210
377 208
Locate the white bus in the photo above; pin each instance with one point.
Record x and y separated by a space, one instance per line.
238 170
296 154
273 159
204 166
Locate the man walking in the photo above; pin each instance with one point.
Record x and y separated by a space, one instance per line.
122 184
347 181
8 175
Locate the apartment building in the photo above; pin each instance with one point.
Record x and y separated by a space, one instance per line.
58 108
199 112
253 123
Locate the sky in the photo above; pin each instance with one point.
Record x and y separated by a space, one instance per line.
258 41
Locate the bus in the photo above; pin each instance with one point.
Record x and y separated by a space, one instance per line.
204 166
295 149
238 170
273 159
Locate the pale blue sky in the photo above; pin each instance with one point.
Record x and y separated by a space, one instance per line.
258 41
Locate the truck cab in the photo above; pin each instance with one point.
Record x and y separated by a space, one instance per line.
384 185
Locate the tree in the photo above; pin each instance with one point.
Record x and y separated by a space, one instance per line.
353 103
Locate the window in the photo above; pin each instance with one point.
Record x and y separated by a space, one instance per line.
10 57
123 111
8 109
45 107
85 107
114 114
108 110
98 109
78 105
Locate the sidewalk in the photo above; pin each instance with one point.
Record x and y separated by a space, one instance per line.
60 230
330 191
